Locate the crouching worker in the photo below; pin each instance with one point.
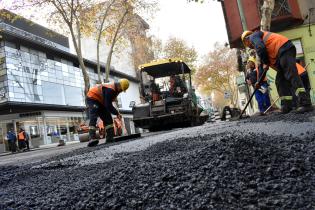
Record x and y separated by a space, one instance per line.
99 101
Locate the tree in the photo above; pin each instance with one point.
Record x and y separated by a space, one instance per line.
218 73
102 12
116 22
175 48
266 14
178 48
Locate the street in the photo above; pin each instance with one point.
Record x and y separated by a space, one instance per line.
256 163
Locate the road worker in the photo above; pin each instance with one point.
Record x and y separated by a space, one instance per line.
262 94
306 83
278 52
99 101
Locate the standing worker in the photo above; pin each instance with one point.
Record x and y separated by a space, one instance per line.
99 100
22 139
262 94
278 52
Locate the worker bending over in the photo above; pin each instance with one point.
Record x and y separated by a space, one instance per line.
278 52
99 101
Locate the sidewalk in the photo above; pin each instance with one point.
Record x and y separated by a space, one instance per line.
42 147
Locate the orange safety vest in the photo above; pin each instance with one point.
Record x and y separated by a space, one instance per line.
21 136
300 69
273 43
96 92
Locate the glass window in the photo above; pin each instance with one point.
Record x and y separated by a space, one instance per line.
74 96
53 93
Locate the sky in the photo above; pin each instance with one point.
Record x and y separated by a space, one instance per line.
200 25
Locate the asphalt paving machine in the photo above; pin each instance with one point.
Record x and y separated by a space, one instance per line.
168 99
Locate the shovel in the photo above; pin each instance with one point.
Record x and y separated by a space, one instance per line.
251 97
271 105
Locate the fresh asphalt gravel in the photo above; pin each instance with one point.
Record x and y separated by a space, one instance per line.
257 163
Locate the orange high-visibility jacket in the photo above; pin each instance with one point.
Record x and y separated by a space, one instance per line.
96 92
300 69
21 136
273 43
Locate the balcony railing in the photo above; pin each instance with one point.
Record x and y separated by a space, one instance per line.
282 8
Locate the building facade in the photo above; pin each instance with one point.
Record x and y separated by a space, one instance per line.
42 87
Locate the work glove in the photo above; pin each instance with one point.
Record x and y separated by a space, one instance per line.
265 66
257 85
263 89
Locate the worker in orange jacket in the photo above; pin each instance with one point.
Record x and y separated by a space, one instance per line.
99 101
22 139
278 52
306 83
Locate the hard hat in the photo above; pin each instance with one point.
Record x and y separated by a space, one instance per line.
124 84
252 59
244 35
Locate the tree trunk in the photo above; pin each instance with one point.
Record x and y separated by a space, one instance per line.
110 53
99 41
85 74
266 14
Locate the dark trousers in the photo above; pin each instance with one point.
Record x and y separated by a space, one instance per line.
307 86
96 110
288 80
263 101
27 142
12 146
22 144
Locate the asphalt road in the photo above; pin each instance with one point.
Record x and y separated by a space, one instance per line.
259 163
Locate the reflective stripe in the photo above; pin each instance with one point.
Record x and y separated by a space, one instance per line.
109 126
266 37
299 90
287 98
92 127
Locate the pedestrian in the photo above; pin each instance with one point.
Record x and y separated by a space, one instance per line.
21 139
278 52
262 94
11 137
100 103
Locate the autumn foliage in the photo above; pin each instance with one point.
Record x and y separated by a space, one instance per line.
218 73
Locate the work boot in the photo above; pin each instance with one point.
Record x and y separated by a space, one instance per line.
109 135
305 104
92 136
286 106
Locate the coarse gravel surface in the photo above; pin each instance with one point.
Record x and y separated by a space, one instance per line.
254 163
